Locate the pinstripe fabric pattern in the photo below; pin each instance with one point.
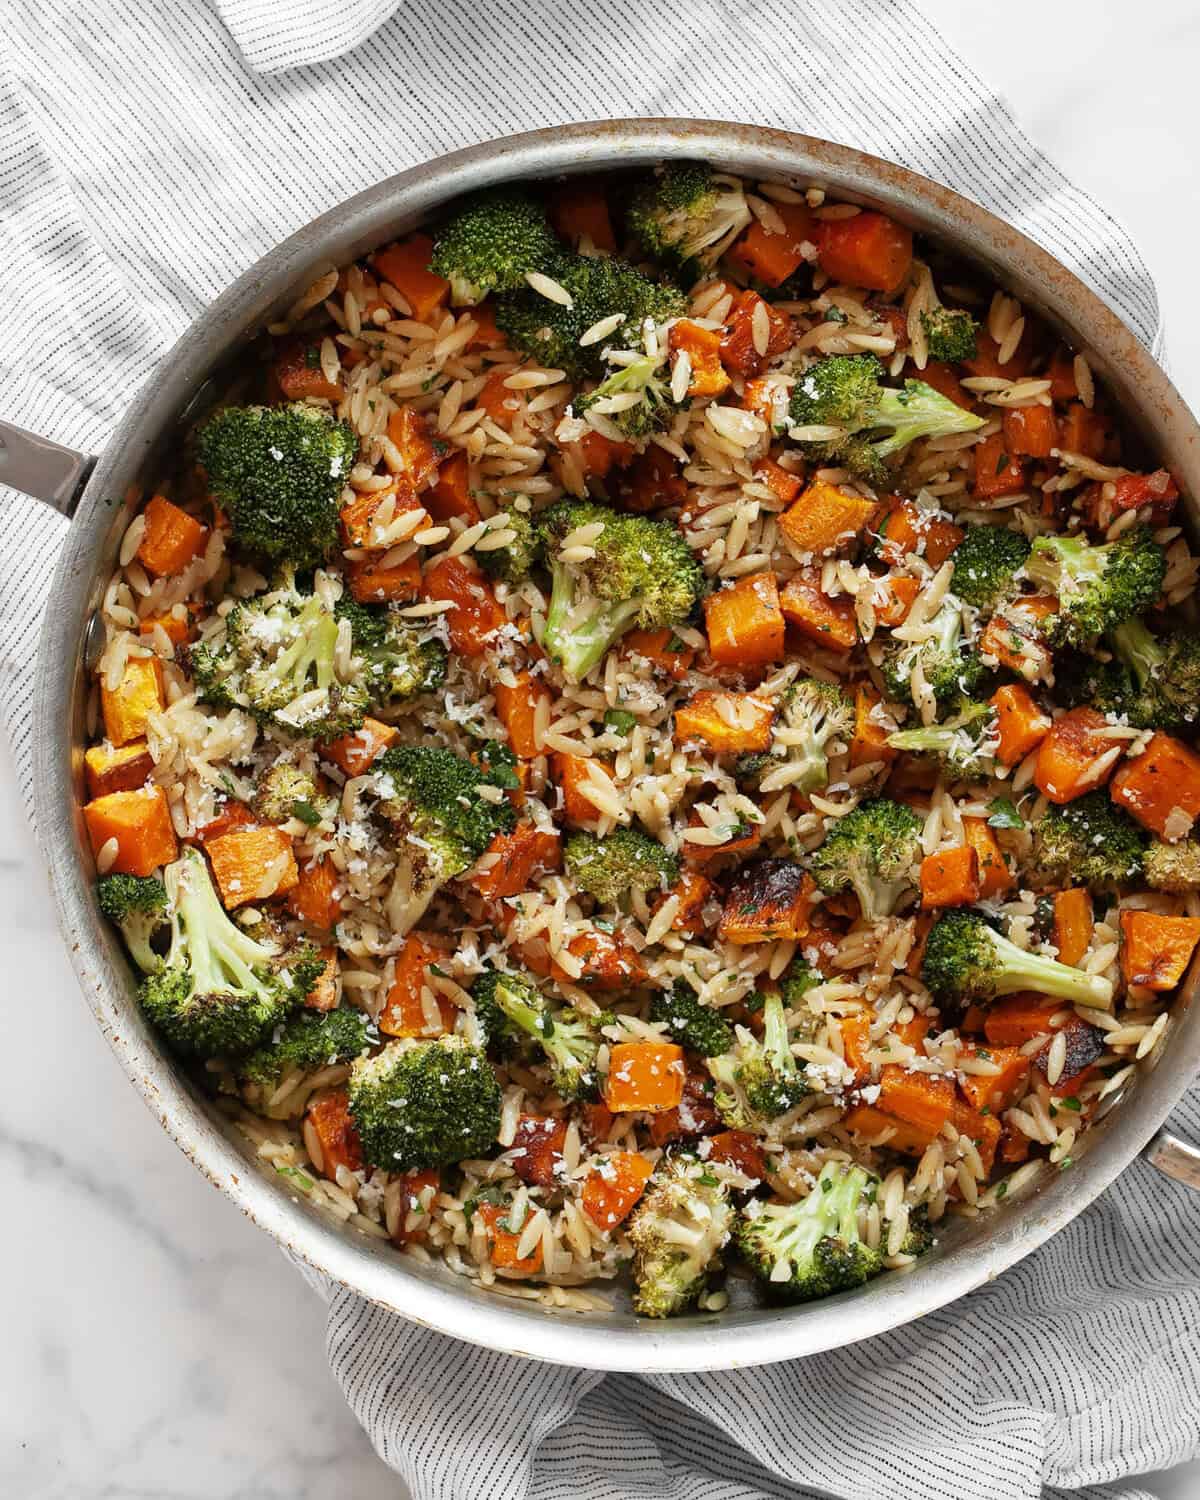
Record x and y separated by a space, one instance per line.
143 164
278 34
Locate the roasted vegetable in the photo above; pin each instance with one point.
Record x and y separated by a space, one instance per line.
138 905
815 1248
611 868
966 960
278 660
599 287
686 215
219 991
872 851
510 1005
424 1104
642 572
1088 840
492 243
678 1231
278 471
846 391
441 822
690 1022
1098 587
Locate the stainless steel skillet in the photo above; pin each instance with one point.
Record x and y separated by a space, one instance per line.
101 495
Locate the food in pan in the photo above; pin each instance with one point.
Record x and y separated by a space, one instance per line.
651 730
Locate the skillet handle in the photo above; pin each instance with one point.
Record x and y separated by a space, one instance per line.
1175 1158
41 469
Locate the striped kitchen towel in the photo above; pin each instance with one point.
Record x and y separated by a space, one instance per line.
148 153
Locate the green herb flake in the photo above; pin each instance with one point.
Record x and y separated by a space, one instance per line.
293 1174
1002 813
620 720
306 812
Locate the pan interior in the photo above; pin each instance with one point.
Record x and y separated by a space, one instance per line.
971 1250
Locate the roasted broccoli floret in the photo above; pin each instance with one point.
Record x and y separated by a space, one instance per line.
966 962
395 659
492 243
219 991
986 563
424 1104
599 286
441 821
1089 841
797 979
138 905
964 744
508 1004
691 1023
950 667
1165 673
813 1248
845 391
951 333
1173 867
811 716
646 378
515 559
277 660
873 850
678 1231
642 572
284 791
611 868
310 1039
841 391
686 216
773 1081
757 1080
1110 687
277 472
1098 587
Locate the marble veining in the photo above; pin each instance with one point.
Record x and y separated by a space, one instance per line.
155 1345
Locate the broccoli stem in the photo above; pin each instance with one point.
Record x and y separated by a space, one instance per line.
578 640
313 649
220 955
811 756
877 897
776 1043
1021 970
1139 650
1056 560
916 411
534 1020
829 1212
137 929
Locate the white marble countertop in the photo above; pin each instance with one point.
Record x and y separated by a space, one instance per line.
154 1343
